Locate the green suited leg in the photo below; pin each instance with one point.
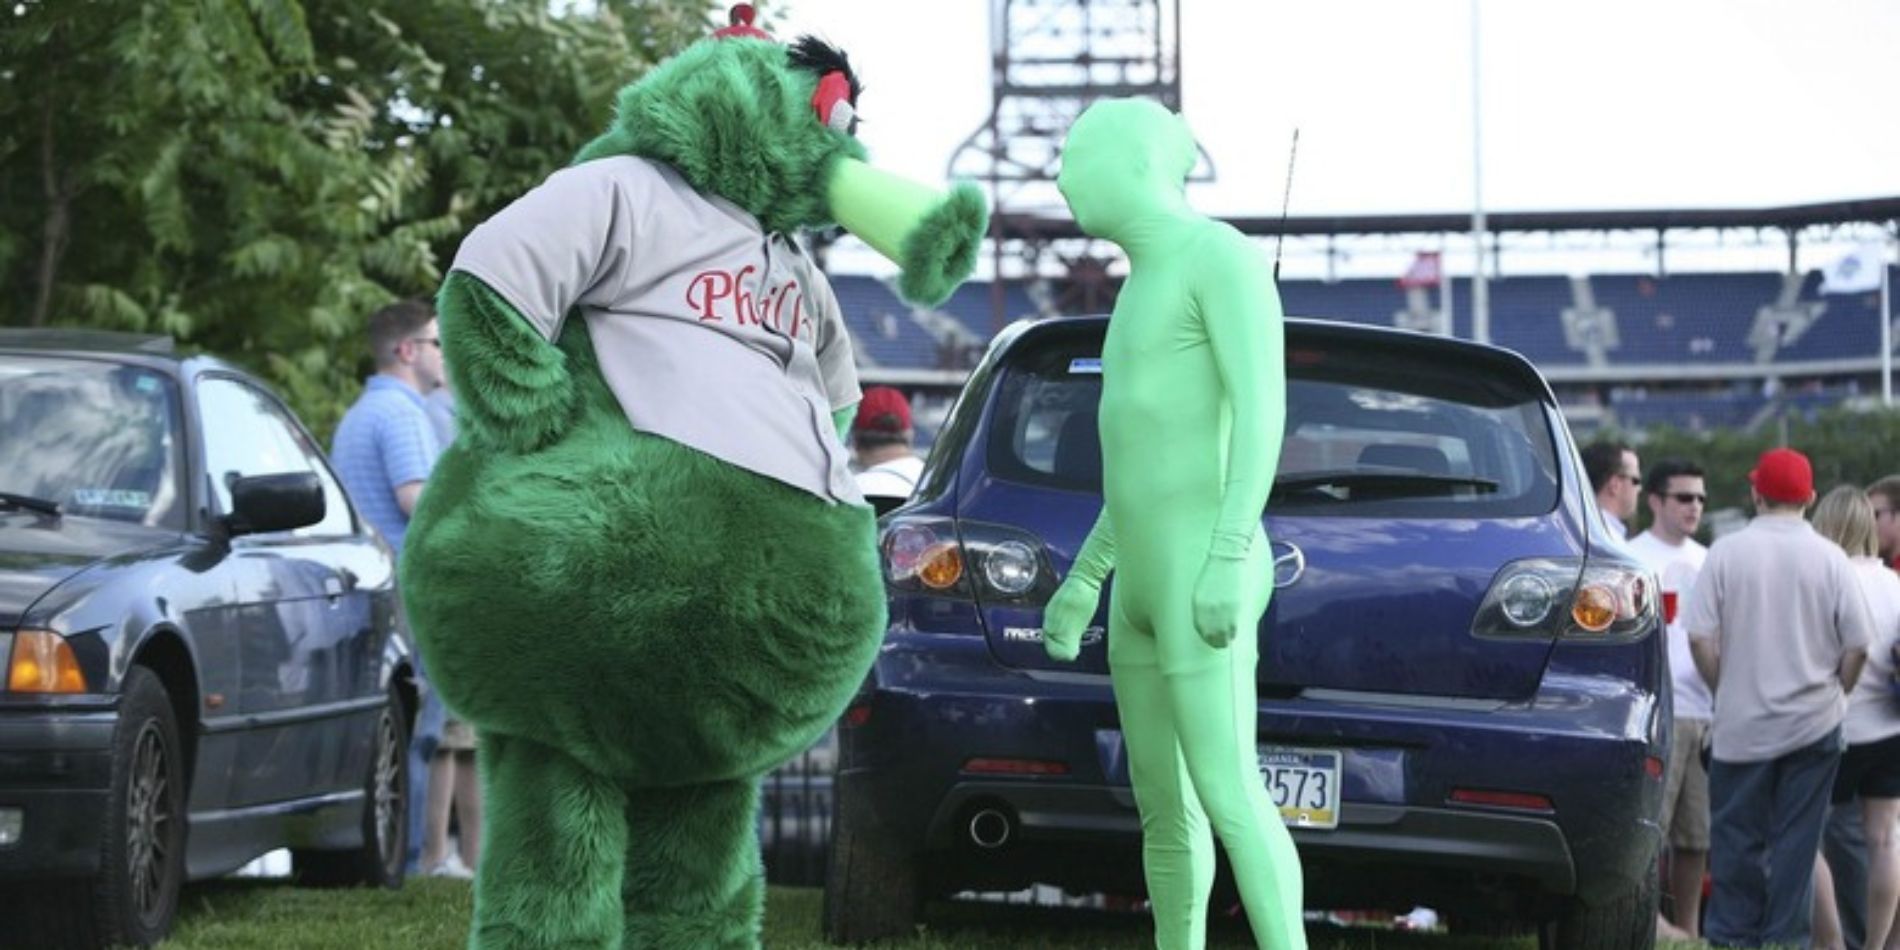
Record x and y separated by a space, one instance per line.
1177 849
1191 757
551 862
694 877
1214 710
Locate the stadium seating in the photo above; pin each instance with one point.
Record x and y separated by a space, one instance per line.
1694 412
1640 326
883 331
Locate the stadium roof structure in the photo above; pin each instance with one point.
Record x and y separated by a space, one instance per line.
1788 218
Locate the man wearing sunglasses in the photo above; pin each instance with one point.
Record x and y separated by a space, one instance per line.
1677 497
1617 478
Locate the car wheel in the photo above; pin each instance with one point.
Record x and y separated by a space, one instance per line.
871 884
134 897
1625 922
378 861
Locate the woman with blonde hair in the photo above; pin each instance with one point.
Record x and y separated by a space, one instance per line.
1870 769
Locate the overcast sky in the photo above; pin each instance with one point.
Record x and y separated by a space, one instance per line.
1606 104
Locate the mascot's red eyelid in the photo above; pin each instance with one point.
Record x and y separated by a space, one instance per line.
834 90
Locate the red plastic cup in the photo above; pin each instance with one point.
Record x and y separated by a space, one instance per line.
1669 606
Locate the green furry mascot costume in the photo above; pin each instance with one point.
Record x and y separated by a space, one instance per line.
643 571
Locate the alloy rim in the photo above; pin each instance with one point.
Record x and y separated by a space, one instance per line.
148 822
388 789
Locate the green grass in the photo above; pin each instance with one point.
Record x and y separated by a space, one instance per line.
432 914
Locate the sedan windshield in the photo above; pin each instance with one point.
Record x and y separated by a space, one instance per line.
100 439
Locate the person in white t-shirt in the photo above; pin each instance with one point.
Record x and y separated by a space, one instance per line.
1677 497
1870 768
1779 629
881 436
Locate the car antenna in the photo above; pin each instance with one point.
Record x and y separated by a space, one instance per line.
1286 201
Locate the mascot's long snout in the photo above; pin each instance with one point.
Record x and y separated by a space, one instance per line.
932 236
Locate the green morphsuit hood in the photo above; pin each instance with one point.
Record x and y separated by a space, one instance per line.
735 117
1124 161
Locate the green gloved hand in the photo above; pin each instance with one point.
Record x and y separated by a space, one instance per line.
1067 617
1217 613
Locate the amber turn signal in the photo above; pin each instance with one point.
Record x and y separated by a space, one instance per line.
43 662
1594 608
942 566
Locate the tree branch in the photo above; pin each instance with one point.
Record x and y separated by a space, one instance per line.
58 189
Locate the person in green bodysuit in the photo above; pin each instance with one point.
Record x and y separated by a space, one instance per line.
1192 412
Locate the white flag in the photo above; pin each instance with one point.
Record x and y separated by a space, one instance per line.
1856 272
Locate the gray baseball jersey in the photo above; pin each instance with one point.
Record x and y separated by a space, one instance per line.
709 331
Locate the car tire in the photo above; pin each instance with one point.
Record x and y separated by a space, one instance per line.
1624 922
134 897
379 861
871 884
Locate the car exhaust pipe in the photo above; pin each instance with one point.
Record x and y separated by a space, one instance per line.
990 829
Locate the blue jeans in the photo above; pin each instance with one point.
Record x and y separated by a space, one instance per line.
1765 828
429 721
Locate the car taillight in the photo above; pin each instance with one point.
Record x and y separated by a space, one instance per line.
1606 600
923 553
1615 601
940 556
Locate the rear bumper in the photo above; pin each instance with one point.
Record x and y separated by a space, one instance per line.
56 769
1376 836
1582 743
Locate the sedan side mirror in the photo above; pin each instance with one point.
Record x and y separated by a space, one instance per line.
264 503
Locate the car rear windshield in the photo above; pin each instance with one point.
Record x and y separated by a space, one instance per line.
1372 430
99 438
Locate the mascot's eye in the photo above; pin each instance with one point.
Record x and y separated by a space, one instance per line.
832 102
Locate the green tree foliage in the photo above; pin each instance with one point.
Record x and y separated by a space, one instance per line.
1847 446
254 176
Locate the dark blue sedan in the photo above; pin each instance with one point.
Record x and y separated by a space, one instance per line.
202 648
1462 680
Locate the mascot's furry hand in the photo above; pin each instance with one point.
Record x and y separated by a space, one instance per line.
512 388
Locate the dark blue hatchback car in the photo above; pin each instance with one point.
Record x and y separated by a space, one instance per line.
1463 687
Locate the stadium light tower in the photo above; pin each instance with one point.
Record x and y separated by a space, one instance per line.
1049 59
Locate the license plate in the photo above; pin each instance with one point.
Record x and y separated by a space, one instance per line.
1304 783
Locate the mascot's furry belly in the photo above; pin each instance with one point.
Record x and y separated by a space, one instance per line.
656 613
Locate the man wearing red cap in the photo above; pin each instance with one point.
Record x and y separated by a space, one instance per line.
881 436
1779 629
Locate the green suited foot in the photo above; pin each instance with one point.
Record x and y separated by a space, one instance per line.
694 879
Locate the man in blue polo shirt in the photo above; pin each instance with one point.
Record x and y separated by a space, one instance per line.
386 444
383 451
